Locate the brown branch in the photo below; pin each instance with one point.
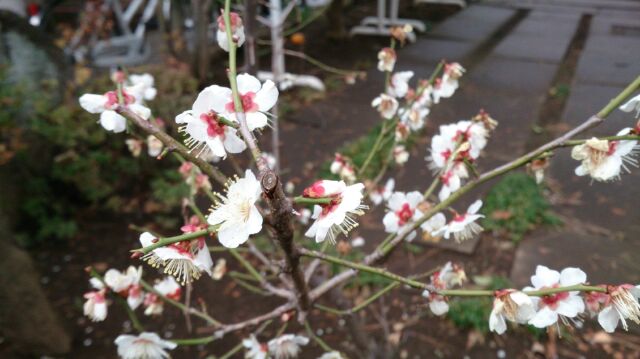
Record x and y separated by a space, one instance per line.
172 144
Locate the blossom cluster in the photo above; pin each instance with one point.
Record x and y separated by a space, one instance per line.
553 297
455 149
223 121
127 285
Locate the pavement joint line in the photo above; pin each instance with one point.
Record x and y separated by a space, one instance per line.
552 109
486 47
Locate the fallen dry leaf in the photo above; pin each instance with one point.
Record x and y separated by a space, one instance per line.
501 214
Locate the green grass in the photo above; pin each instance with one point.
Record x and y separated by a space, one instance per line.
516 205
473 313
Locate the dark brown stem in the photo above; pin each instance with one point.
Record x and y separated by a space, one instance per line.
283 225
172 144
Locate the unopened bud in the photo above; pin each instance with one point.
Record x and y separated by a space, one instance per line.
136 255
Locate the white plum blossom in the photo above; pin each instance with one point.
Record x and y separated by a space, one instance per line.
450 275
357 242
415 116
510 305
126 284
386 105
143 87
456 143
454 148
255 349
119 281
621 305
287 346
304 215
403 211
629 106
237 31
381 194
557 305
343 168
400 154
386 59
434 224
331 355
95 305
167 287
447 85
219 269
237 213
146 345
269 159
184 260
106 104
203 126
337 216
134 146
450 183
463 226
154 146
399 84
604 160
256 98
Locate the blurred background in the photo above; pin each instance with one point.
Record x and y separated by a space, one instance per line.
69 190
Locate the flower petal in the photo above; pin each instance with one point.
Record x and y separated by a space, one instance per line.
544 318
572 276
248 83
608 319
267 96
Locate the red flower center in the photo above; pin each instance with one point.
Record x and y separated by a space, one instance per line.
214 128
248 105
445 178
183 248
404 214
112 99
552 300
613 145
330 207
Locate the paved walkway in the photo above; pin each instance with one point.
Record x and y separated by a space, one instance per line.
513 51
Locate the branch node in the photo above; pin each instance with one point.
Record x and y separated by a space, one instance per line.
269 182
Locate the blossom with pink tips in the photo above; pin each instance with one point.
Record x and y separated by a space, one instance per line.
106 104
237 31
95 305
